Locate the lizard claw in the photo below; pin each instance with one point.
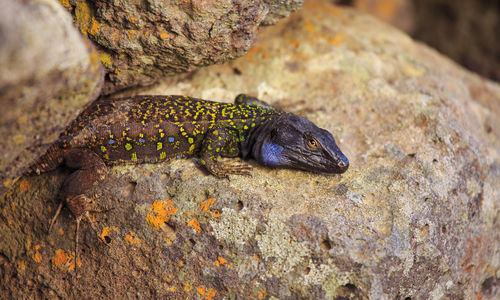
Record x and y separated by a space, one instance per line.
222 170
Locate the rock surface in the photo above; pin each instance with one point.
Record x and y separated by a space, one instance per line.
415 217
49 71
142 41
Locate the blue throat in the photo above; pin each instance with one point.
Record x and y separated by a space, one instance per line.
271 154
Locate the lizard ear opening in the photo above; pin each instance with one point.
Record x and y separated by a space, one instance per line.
274 133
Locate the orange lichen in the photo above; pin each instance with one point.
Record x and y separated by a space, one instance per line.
94 27
61 231
220 261
60 258
207 294
205 205
21 265
262 294
187 287
106 231
37 247
133 20
195 224
337 39
6 183
132 33
215 214
131 238
163 35
256 257
24 186
37 257
309 27
160 212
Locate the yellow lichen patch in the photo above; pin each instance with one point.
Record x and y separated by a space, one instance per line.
187 287
37 257
220 261
206 294
133 20
82 16
195 224
411 70
64 3
160 212
22 120
205 205
105 59
24 186
131 238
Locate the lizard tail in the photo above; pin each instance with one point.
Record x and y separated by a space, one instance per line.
47 162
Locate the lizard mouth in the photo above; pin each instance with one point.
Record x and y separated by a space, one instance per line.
326 163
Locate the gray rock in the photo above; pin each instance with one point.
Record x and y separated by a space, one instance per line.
144 41
48 73
416 215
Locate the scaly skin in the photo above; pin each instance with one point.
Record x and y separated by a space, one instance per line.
156 128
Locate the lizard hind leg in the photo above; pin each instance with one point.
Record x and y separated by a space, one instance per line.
90 170
252 101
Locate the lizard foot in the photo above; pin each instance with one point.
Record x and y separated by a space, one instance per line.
79 207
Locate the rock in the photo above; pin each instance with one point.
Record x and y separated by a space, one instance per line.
144 41
415 216
48 73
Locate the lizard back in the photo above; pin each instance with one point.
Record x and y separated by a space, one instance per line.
154 128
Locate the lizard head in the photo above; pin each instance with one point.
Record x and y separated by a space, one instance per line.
295 142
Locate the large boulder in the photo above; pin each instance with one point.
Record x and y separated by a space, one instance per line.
415 216
142 41
48 73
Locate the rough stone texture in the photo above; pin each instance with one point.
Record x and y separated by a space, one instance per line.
142 41
48 72
415 217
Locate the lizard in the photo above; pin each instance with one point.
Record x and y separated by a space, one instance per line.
151 129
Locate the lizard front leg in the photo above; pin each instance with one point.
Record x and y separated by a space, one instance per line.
222 142
90 170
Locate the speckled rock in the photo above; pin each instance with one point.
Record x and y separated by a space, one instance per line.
415 216
142 41
48 72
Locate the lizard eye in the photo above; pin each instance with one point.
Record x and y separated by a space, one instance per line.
312 143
